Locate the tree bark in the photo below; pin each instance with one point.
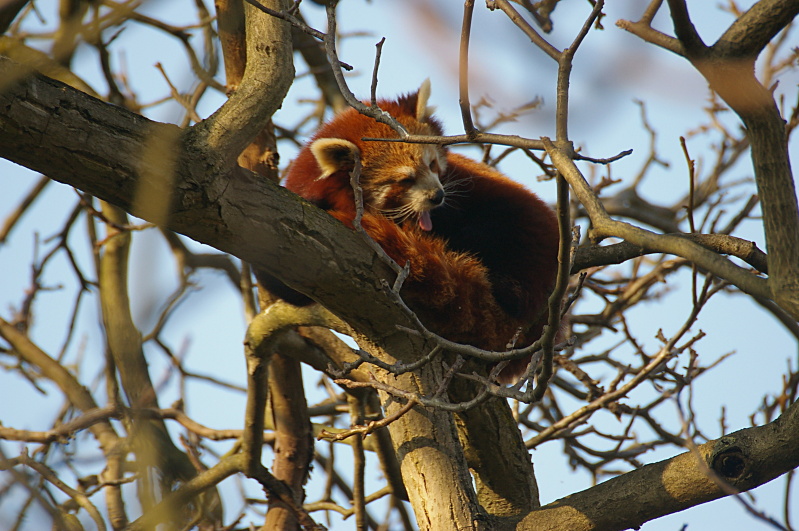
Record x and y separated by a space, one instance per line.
433 466
736 462
495 450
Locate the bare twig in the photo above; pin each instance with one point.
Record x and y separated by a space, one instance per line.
463 69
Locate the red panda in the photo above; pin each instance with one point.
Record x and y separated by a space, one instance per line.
482 249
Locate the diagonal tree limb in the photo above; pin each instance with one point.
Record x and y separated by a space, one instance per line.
729 70
604 226
739 462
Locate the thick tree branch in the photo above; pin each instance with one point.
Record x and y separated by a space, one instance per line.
97 148
753 30
501 465
739 461
267 77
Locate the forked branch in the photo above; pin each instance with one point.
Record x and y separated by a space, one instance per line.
728 67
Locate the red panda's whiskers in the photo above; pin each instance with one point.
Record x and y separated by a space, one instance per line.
456 187
401 213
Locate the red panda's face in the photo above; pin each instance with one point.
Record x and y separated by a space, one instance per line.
401 181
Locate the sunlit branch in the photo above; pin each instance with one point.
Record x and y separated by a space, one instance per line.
604 226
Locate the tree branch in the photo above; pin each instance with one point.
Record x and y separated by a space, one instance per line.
463 69
594 256
685 30
267 78
743 460
728 66
753 30
604 227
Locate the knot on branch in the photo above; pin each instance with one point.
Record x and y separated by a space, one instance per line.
730 461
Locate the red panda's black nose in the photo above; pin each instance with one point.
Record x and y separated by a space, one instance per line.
438 197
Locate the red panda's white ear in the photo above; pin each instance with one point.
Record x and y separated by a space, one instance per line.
423 111
334 154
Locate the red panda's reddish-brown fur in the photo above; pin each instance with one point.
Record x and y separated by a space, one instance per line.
483 270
